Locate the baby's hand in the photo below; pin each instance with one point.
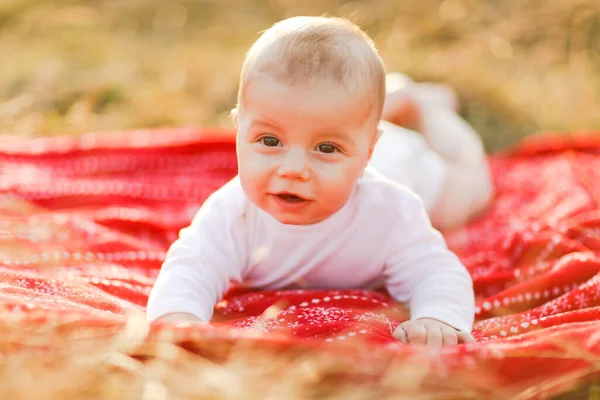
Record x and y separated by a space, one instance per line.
430 332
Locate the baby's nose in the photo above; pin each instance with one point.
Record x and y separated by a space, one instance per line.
294 165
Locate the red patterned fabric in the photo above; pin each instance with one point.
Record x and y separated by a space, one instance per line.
86 223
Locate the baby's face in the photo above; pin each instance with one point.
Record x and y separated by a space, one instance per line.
301 149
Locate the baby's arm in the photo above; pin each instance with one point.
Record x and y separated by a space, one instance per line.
200 264
422 271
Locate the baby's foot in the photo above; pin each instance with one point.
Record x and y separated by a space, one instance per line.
404 100
400 108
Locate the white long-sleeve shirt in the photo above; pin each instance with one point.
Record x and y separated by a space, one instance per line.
381 236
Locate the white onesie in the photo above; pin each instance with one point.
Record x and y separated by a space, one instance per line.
405 157
382 236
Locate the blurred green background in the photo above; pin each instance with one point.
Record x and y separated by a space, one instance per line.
68 67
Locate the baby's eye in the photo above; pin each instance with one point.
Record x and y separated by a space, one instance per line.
327 148
270 141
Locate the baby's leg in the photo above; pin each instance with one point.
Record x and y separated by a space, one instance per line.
401 106
467 187
405 157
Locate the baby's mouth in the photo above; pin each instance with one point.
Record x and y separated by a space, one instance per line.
292 198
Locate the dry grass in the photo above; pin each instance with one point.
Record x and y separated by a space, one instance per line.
71 360
74 66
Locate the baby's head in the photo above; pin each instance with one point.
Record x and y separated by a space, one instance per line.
310 98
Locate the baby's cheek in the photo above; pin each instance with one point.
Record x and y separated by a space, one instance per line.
253 163
339 175
337 187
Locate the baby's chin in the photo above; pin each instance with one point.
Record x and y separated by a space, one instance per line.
298 220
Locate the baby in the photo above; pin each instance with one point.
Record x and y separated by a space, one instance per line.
306 210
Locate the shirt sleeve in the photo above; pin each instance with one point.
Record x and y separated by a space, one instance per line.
202 262
422 271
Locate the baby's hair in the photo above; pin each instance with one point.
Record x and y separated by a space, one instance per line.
302 50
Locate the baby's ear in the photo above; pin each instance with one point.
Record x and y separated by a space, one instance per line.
374 141
234 115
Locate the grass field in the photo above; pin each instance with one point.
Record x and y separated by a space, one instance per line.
74 66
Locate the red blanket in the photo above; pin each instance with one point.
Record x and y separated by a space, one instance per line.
86 222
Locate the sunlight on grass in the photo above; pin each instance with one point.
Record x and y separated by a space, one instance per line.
74 66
